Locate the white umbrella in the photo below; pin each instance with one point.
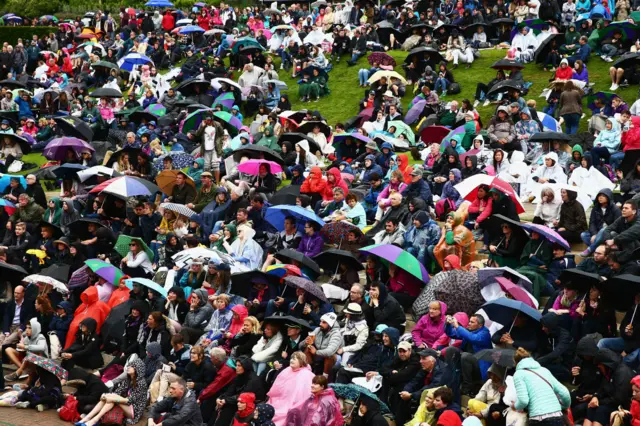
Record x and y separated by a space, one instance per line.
185 21
216 83
43 279
278 83
214 31
471 183
583 195
95 171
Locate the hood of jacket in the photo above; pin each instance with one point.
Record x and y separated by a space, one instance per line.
586 347
449 418
553 156
517 157
457 175
474 161
527 112
607 193
154 350
315 173
67 306
336 174
91 324
89 296
608 358
36 328
551 321
394 335
454 261
577 148
202 295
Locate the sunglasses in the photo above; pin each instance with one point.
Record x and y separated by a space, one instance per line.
133 245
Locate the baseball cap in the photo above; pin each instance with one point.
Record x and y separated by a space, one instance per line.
404 346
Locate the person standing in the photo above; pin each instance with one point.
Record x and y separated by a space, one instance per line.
211 149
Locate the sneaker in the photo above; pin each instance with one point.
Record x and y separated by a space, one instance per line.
586 253
486 102
23 404
11 377
476 103
23 376
614 87
608 59
41 407
444 93
603 57
282 66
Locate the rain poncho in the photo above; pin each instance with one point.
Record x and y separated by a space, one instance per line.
518 170
459 241
91 307
609 139
194 173
554 174
290 390
322 409
246 251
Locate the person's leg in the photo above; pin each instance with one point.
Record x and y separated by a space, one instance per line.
615 344
93 412
470 373
619 75
12 354
616 159
612 74
586 237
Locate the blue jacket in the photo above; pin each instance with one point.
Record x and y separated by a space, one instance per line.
419 189
421 237
24 109
60 325
442 376
534 394
478 339
583 53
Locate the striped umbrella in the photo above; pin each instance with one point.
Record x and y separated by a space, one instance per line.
226 101
400 258
131 60
158 110
79 278
179 208
549 123
193 120
446 141
228 121
105 270
123 187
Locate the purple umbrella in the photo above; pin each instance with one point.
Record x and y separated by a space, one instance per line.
58 147
400 258
306 285
548 233
200 4
445 142
414 113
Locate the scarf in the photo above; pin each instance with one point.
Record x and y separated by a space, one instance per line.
566 302
354 324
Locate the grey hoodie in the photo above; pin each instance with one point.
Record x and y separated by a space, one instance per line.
37 343
328 342
199 318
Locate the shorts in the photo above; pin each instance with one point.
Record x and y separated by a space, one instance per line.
215 165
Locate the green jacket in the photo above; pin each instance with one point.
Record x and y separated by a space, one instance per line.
31 213
203 198
57 212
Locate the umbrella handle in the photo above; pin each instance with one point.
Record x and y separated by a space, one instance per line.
337 267
283 291
635 309
514 321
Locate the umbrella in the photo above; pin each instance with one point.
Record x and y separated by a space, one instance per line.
151 285
624 288
515 291
49 18
246 42
184 21
252 167
279 84
294 117
504 86
286 195
627 60
216 83
158 110
606 98
336 232
507 65
331 259
542 51
104 64
123 187
80 227
472 29
276 215
549 137
188 88
166 180
353 392
242 282
488 276
179 208
308 126
468 189
627 29
294 255
424 52
105 92
500 357
295 137
309 71
158 3
505 310
579 280
415 111
287 319
48 280
48 365
112 330
461 292
67 170
9 207
122 246
12 269
402 129
433 134
138 116
131 152
12 84
228 121
400 258
74 126
226 101
214 31
25 146
5 180
130 61
388 74
180 159
193 120
257 152
306 285
281 270
105 270
339 137
381 58
549 124
547 233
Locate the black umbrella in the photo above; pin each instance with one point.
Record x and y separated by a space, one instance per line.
80 227
294 137
57 231
309 71
308 126
421 26
579 280
25 146
59 272
293 255
502 218
45 173
73 126
286 196
12 270
188 88
138 116
469 31
242 283
507 64
631 157
394 3
505 21
12 84
622 290
165 120
331 259
67 170
424 53
542 52
288 319
112 330
500 357
133 155
627 60
384 33
504 86
105 92
549 137
257 152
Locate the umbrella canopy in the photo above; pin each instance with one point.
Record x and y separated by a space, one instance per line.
309 71
57 149
276 215
80 227
504 310
75 127
340 137
166 180
152 285
67 170
214 31
286 195
388 74
12 270
547 45
252 167
627 29
287 319
48 365
244 43
468 189
381 58
5 180
294 255
402 129
105 270
194 119
547 233
331 259
461 292
308 126
178 208
426 53
25 146
500 357
193 86
549 137
623 289
354 392
488 276
627 60
123 187
579 280
281 271
306 285
180 159
295 137
217 83
338 231
515 291
225 100
104 64
228 121
122 246
105 92
605 97
257 152
400 258
158 110
9 207
242 282
130 61
40 279
507 65
158 3
504 86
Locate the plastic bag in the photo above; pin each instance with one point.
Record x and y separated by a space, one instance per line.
510 397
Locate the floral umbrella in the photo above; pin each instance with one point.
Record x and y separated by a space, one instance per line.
427 295
461 292
48 365
336 232
180 159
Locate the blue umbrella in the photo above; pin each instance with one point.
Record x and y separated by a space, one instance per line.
189 29
147 283
6 179
158 3
13 18
276 214
131 60
505 310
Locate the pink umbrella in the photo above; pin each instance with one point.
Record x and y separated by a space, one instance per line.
468 189
515 292
252 167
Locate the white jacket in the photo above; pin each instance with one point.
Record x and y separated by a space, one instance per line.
267 350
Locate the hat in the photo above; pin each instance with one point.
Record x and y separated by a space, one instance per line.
428 352
330 318
372 92
417 171
371 145
152 123
471 115
404 346
388 94
208 174
380 328
223 267
5 122
63 240
221 189
422 217
353 309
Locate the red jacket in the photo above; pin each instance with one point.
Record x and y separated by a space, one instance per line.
203 22
337 183
91 307
225 375
635 405
631 138
314 183
168 22
564 73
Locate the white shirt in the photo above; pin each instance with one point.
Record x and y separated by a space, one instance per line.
210 138
16 314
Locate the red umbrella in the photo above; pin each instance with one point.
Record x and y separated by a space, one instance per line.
433 134
468 189
515 292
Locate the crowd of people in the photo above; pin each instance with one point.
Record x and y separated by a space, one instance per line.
214 256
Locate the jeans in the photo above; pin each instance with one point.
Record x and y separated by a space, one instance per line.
608 50
586 238
616 344
598 152
441 84
616 159
355 57
284 56
571 121
363 76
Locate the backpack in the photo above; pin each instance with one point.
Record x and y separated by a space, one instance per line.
454 89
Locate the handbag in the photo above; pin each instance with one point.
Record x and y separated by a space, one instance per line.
69 411
567 415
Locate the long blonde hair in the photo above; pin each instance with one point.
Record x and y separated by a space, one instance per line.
255 324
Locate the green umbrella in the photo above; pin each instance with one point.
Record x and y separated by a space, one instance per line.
105 270
122 246
228 121
226 101
403 129
193 120
246 42
400 258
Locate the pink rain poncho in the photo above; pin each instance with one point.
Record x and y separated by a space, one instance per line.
322 409
290 390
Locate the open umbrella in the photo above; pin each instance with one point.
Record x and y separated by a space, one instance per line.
132 60
281 271
189 87
123 187
338 231
12 272
579 280
5 180
353 392
330 260
306 285
546 46
388 74
287 319
468 189
488 276
504 311
105 270
214 31
381 58
626 28
105 92
192 121
216 83
500 357
228 121
48 365
402 129
158 3
257 152
180 159
252 167
294 255
505 86
9 207
276 215
515 291
242 282
627 60
225 100
246 42
178 208
623 290
166 180
75 127
605 97
506 64
67 170
286 195
24 144
549 137
308 126
547 233
295 137
400 258
415 111
122 246
426 53
309 71
152 285
80 227
41 278
461 292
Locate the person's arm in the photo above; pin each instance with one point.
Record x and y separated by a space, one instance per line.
522 393
334 344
